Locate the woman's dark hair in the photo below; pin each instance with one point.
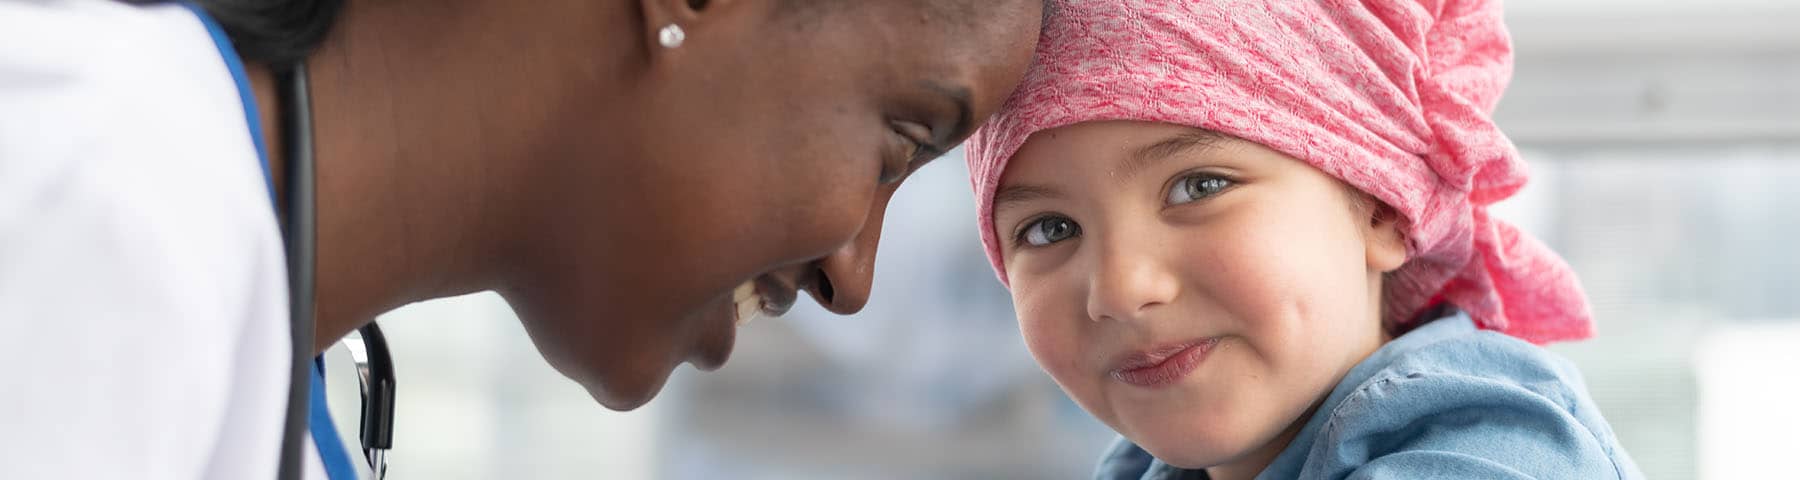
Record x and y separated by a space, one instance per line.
280 32
272 32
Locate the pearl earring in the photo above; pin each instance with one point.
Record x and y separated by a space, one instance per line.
671 36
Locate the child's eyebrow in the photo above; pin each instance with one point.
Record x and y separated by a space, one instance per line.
1168 147
1136 162
1016 193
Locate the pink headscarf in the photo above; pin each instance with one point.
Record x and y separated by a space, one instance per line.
1392 97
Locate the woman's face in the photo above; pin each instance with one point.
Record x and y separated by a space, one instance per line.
757 163
1197 293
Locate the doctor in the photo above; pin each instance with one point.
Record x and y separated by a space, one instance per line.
635 177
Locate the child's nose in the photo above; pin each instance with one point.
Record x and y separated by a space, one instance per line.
1130 279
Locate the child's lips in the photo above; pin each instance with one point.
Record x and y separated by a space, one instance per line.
1162 365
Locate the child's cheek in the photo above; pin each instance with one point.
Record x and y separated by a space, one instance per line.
1050 331
1046 334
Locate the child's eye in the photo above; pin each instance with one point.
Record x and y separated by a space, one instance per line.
1048 230
1196 187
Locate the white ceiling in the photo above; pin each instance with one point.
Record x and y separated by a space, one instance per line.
1535 7
1655 25
1660 70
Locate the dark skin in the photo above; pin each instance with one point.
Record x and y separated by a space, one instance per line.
615 191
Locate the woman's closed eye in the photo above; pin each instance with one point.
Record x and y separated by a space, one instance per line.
1046 230
912 148
1198 186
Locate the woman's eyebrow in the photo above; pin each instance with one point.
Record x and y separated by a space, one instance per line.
959 96
1168 147
1012 194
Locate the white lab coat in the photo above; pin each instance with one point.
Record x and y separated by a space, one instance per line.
143 294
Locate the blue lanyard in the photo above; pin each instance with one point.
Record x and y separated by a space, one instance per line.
324 433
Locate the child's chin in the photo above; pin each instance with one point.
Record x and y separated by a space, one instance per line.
1192 456
1194 443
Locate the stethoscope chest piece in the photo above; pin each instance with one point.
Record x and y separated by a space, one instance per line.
375 373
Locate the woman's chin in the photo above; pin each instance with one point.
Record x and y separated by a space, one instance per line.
626 395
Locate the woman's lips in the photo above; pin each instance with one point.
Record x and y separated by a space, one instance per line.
764 295
748 303
757 297
1163 365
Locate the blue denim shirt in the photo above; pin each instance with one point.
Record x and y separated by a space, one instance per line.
1446 400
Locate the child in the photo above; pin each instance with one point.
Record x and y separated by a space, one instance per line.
1252 237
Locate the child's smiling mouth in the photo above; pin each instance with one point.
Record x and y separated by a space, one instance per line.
1162 365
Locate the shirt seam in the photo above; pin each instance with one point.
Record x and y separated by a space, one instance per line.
1332 423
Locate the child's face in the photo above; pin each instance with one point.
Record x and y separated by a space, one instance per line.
1197 293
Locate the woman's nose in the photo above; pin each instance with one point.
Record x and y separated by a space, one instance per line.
1130 279
841 281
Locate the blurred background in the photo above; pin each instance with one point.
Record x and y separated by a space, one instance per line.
1664 138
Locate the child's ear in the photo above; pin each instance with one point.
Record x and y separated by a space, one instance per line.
1385 244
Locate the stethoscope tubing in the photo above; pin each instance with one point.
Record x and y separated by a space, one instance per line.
299 235
374 363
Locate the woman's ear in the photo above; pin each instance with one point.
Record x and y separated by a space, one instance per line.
1385 244
668 23
658 13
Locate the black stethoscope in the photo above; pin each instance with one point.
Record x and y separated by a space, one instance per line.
368 349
